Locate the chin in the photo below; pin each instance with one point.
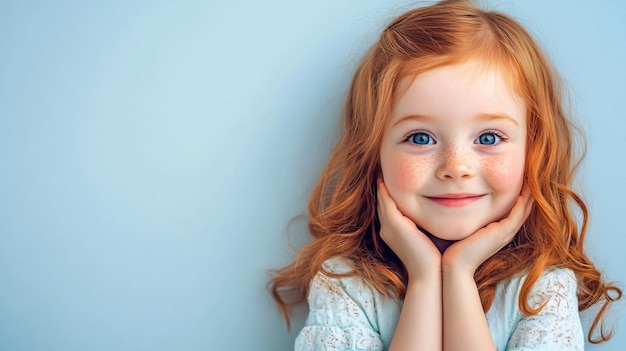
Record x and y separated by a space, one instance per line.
454 233
453 237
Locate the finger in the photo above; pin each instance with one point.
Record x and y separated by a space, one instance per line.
385 212
510 225
522 207
382 206
385 203
388 211
529 200
380 188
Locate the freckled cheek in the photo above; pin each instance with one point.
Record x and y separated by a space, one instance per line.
505 173
406 172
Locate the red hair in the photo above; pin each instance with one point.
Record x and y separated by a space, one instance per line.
342 209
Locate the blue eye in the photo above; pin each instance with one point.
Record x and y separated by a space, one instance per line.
420 139
489 138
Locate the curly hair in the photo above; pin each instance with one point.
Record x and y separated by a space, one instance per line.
342 209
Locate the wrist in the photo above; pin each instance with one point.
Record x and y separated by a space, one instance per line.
425 275
455 261
456 271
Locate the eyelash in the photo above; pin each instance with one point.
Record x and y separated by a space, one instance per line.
412 134
498 134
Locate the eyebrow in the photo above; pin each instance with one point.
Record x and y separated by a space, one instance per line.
482 117
497 116
419 118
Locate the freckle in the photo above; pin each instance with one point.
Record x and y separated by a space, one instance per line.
427 162
495 167
500 167
412 169
504 170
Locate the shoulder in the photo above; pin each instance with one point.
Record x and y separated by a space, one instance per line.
338 275
556 289
337 287
346 312
328 291
338 265
556 325
336 278
555 281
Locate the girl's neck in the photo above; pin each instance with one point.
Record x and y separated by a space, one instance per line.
441 244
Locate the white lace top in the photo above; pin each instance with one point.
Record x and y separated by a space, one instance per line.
348 314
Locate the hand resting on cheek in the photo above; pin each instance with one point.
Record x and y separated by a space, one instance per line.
418 253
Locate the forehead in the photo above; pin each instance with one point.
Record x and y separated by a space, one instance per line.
467 88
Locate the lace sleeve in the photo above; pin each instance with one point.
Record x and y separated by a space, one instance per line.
557 326
337 319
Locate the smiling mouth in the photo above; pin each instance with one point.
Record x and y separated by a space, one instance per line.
455 200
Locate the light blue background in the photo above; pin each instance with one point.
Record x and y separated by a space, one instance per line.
152 154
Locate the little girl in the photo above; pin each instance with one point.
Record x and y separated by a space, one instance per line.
444 218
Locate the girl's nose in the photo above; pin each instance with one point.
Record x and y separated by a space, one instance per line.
455 165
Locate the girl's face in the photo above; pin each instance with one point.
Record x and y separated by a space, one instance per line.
453 150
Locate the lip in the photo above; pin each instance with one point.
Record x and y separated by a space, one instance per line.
455 200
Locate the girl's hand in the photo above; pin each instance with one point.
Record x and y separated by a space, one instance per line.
417 252
467 254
